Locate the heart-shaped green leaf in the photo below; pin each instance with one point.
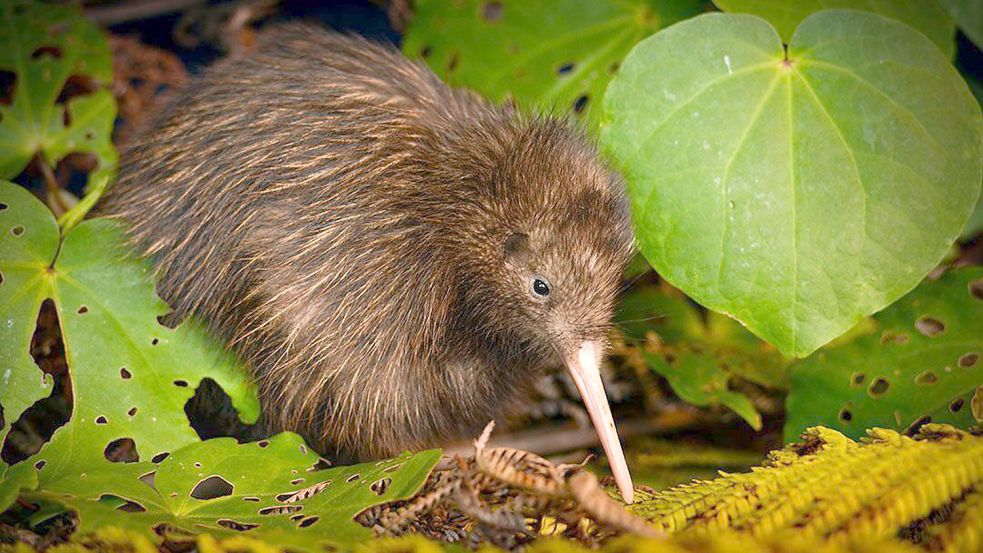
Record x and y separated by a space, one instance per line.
928 16
130 375
924 359
796 193
44 45
555 55
268 489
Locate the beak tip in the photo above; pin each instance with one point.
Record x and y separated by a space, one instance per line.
584 369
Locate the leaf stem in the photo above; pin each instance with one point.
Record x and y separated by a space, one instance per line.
51 186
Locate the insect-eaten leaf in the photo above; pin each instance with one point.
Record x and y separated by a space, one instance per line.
797 191
51 52
923 364
555 55
927 16
128 456
130 376
269 489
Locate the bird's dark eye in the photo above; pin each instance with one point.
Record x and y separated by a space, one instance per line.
541 287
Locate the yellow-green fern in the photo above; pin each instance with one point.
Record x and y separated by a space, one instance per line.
831 488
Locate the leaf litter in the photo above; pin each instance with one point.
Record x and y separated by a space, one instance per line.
508 497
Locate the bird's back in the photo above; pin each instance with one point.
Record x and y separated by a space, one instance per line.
285 198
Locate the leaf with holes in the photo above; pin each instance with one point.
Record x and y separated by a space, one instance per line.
268 489
28 242
51 49
555 55
924 361
796 193
130 376
976 404
927 16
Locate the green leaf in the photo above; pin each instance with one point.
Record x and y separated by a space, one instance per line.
926 359
546 55
968 15
14 480
270 489
43 45
797 195
130 375
700 356
699 379
664 311
76 213
976 404
680 326
927 16
974 225
28 242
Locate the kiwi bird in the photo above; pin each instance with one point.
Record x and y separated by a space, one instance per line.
394 259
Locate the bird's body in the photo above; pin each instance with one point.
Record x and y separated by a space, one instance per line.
373 243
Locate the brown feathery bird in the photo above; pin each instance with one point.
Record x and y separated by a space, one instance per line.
393 258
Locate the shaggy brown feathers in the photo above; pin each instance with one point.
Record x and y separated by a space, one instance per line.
364 236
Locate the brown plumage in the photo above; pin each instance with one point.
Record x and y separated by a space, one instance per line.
369 239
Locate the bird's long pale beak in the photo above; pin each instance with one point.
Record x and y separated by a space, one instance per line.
584 367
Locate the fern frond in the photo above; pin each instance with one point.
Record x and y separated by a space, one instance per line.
831 487
724 542
16 548
963 532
